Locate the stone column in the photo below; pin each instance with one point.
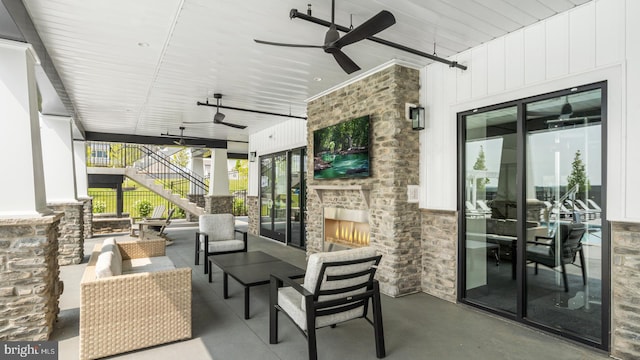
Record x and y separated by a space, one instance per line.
29 283
218 204
87 218
439 253
625 290
219 201
253 210
60 181
71 240
394 155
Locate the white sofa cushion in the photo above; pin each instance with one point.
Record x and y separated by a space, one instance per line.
103 265
141 265
109 261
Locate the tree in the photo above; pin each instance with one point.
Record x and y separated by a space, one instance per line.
242 167
480 165
578 176
181 158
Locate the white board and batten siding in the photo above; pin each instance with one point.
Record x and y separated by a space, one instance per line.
593 42
288 135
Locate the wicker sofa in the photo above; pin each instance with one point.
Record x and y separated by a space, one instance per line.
142 300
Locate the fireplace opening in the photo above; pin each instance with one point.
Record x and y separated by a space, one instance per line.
345 229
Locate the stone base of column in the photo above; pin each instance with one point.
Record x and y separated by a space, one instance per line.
625 327
199 200
71 240
218 204
87 217
30 286
253 212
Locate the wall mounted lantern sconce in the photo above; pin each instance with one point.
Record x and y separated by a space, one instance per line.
416 114
252 156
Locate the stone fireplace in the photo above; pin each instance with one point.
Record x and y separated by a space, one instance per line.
386 220
345 229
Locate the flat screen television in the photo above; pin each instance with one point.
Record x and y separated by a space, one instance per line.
342 150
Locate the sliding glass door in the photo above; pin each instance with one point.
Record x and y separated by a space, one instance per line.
533 233
490 208
282 192
273 196
564 213
297 186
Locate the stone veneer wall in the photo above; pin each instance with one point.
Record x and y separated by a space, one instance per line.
394 150
200 201
253 212
625 290
87 218
218 204
439 253
71 240
29 278
111 225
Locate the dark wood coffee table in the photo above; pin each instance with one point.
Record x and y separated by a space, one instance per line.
251 268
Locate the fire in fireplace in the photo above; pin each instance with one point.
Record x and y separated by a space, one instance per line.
345 228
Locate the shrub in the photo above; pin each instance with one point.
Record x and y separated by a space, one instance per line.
238 207
144 207
179 213
99 207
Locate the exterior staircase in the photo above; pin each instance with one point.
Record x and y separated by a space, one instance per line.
150 183
153 170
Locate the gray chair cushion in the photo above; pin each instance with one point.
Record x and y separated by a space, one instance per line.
316 260
223 245
219 227
290 302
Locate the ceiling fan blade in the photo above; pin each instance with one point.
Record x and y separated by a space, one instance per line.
345 62
374 25
572 119
232 125
197 122
288 45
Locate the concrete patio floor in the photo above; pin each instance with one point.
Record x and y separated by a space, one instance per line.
416 326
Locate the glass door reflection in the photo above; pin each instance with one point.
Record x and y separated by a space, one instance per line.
297 191
273 196
490 200
563 191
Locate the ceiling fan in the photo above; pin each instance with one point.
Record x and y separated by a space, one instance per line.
566 114
333 43
181 138
218 117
